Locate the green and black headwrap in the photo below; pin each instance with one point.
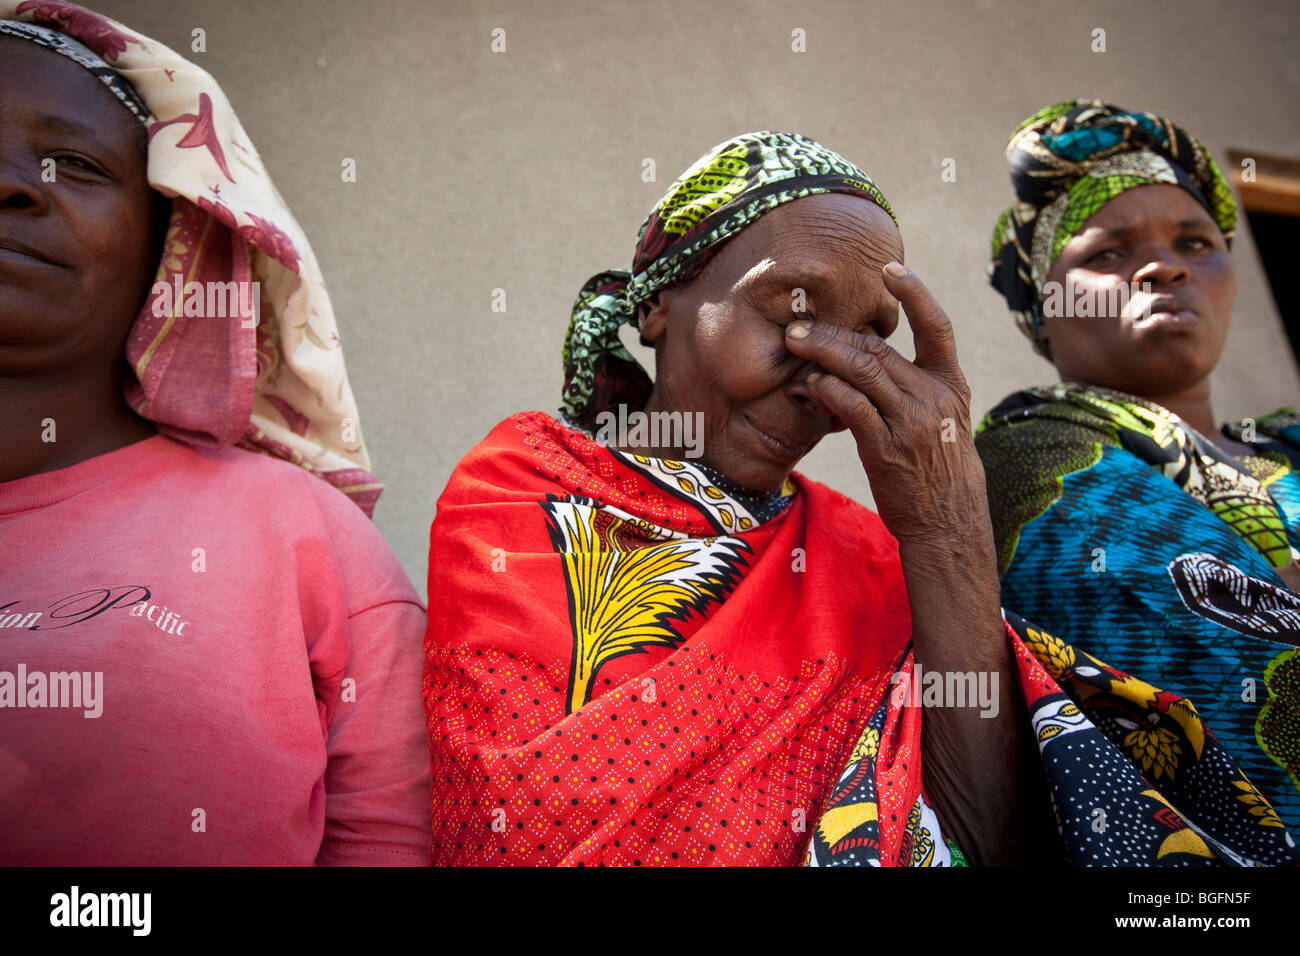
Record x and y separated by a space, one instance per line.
1069 160
722 193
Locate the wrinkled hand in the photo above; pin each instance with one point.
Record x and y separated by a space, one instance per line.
911 420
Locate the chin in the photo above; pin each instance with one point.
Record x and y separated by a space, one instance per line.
20 331
765 485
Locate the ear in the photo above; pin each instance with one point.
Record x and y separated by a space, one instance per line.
653 317
1043 342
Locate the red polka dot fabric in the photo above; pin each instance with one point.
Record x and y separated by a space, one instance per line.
613 679
719 767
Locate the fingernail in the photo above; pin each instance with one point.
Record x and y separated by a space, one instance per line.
799 329
896 269
812 377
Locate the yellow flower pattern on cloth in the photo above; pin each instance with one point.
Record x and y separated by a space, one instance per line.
1056 656
1156 751
1259 806
868 745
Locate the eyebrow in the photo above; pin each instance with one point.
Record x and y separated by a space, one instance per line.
1130 228
52 123
776 279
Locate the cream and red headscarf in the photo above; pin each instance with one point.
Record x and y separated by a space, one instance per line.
280 387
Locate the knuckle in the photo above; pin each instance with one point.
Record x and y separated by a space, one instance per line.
873 344
864 367
823 332
859 410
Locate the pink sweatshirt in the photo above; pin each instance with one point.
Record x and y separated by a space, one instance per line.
206 658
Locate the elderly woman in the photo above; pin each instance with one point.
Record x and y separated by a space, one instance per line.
208 655
1126 521
648 649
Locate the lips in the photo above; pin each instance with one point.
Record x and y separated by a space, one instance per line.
778 443
1166 310
1182 319
14 251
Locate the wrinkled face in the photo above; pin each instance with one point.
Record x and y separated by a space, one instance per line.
75 252
1156 343
720 339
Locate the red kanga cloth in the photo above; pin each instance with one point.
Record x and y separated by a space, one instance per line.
629 662
612 678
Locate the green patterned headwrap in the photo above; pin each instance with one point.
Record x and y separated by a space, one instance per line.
1069 160
724 192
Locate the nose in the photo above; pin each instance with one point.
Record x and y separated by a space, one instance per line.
1162 267
798 392
885 327
20 188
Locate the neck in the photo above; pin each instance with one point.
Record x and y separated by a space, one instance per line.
58 419
655 404
688 443
641 441
1191 404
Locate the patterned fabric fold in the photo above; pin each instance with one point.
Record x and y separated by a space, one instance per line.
1135 776
1127 533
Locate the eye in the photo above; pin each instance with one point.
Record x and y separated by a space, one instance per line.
1197 243
785 316
77 163
1107 256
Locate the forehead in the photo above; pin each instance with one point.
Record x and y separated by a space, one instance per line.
41 87
1158 205
826 235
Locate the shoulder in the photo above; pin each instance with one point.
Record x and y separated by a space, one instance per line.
265 483
1047 432
315 522
1029 443
825 497
1275 435
524 453
1062 413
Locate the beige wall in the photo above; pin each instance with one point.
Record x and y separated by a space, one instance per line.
522 170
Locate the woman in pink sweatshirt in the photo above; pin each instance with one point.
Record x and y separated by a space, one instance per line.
208 654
